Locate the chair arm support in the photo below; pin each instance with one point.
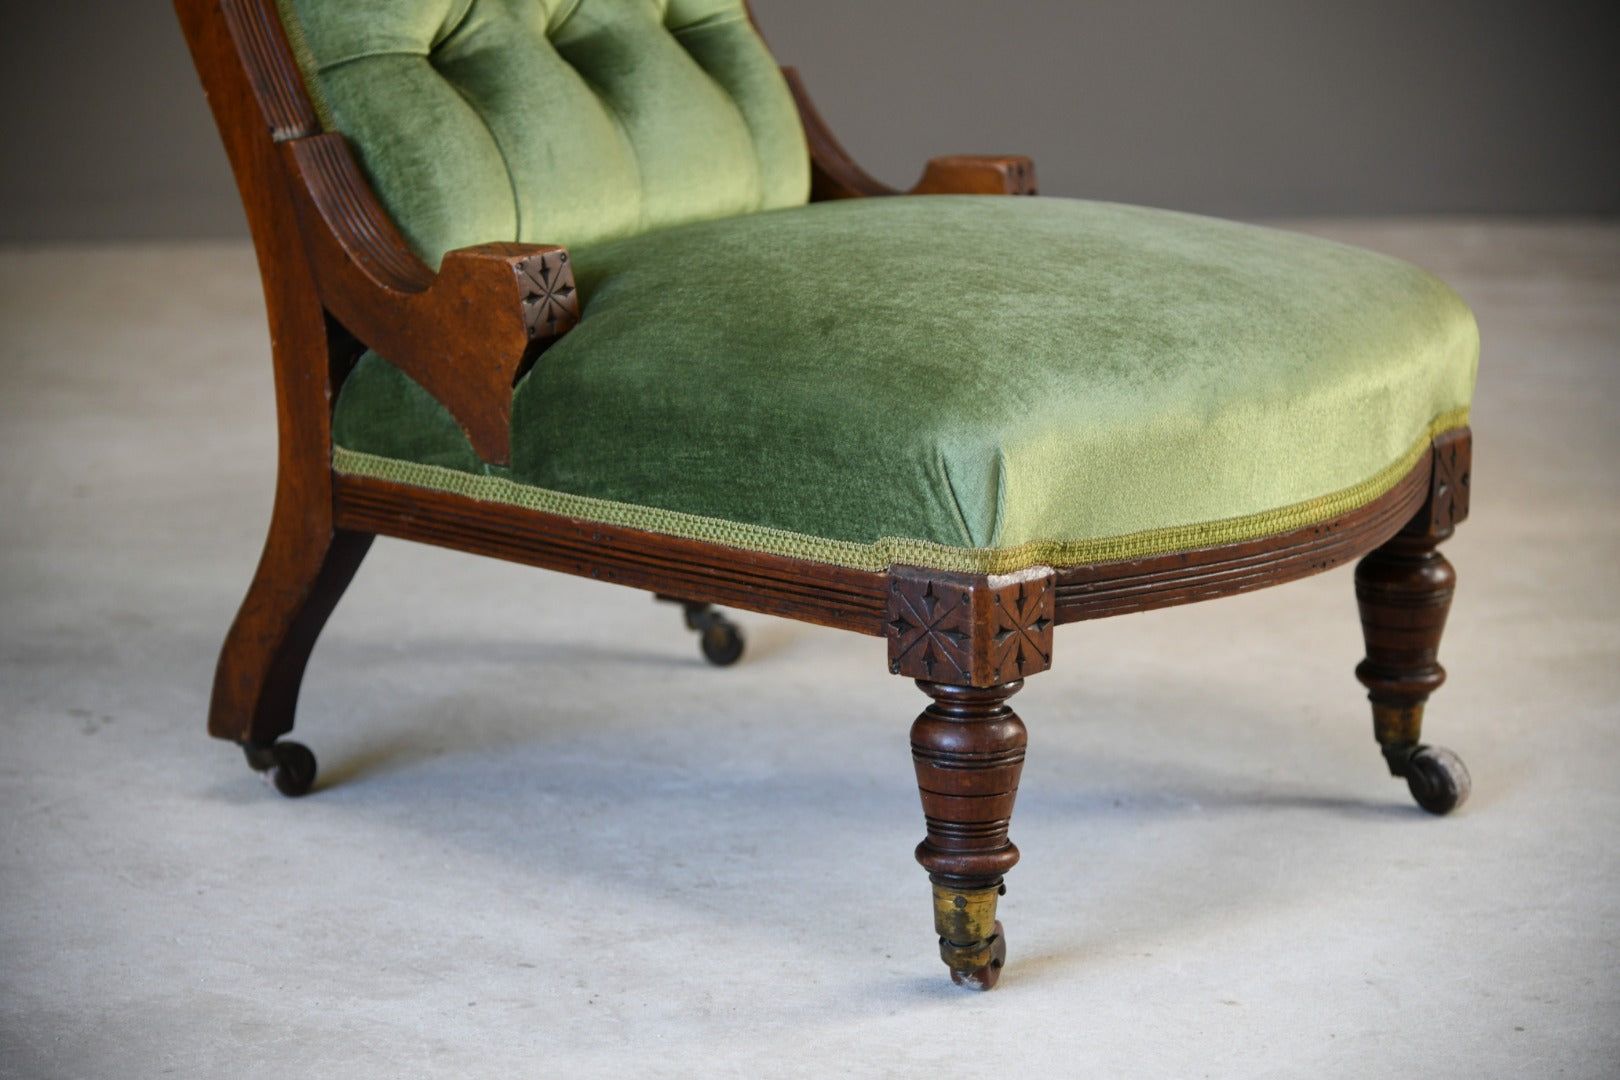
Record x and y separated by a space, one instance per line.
467 333
835 175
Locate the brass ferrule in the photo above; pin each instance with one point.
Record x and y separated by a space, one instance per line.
965 918
1396 724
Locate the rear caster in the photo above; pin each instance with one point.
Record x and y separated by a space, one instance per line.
1437 777
287 766
722 642
719 637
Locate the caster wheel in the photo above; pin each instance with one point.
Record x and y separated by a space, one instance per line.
1438 779
287 766
722 643
986 977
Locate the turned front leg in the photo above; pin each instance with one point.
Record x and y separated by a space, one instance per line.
1404 591
969 640
968 747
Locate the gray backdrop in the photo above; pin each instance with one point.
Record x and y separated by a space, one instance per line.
1238 107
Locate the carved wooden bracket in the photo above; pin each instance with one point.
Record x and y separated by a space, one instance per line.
1449 487
970 629
973 174
466 333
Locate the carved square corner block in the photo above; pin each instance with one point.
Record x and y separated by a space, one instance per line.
1453 463
970 629
1021 177
1449 488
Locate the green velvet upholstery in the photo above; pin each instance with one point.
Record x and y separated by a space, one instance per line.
963 382
553 121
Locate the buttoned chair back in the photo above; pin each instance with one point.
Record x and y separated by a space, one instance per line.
555 121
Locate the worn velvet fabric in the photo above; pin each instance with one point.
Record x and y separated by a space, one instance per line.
553 121
969 372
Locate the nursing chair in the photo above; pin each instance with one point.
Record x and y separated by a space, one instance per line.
589 285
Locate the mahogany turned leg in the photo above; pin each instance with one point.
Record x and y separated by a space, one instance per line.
1404 592
968 747
300 578
969 640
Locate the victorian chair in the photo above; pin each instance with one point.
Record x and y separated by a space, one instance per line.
589 285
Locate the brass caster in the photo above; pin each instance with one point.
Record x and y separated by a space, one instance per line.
1437 777
287 766
971 941
977 966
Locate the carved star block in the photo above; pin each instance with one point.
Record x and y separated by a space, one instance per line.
1449 488
1453 462
550 299
970 629
1021 177
930 625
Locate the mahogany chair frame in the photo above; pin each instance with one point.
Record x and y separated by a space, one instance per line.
338 277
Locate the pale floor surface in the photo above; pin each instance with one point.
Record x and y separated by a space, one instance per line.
551 842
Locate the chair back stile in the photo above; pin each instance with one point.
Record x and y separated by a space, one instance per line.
251 80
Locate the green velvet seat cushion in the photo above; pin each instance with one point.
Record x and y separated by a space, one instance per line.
963 382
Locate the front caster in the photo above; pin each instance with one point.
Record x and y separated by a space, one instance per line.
971 941
287 766
1437 777
977 966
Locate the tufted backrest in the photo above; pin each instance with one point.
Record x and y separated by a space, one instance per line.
552 121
